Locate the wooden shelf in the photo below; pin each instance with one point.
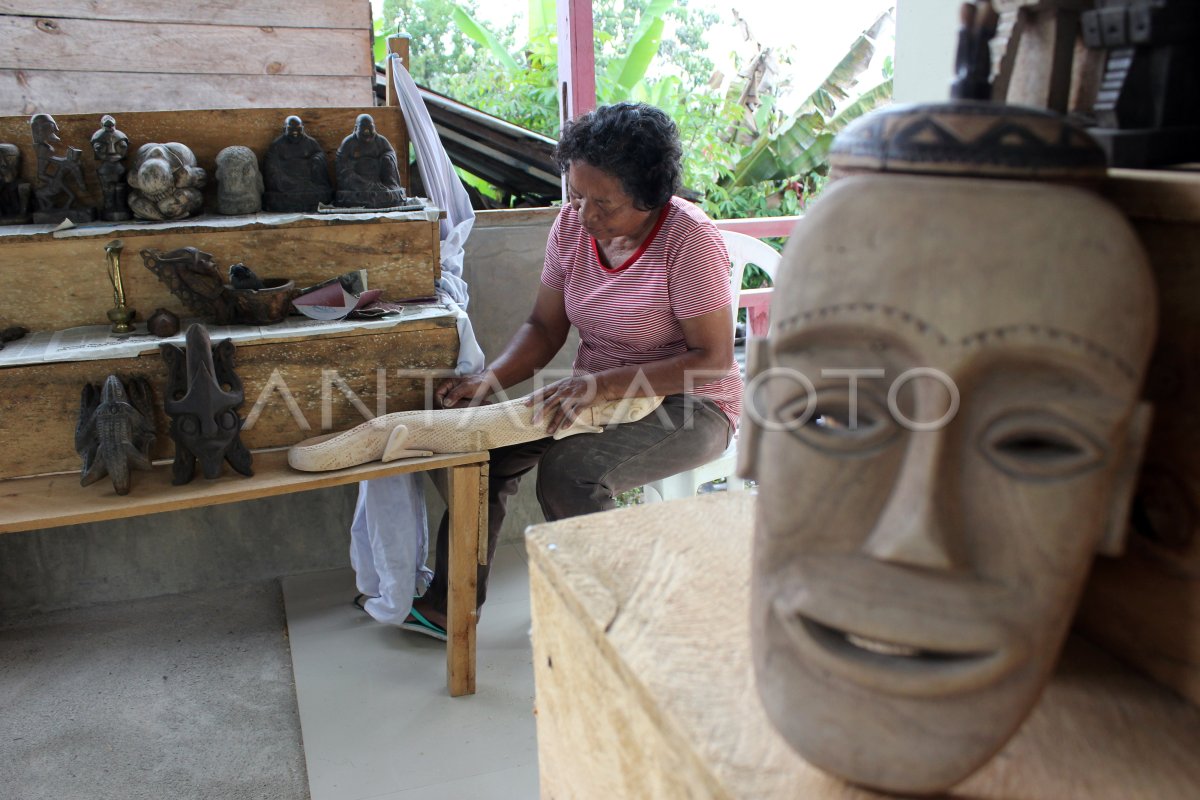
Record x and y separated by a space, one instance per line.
47 501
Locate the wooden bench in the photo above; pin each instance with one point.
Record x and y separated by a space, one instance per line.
46 501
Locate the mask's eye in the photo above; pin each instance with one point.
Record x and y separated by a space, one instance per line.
1040 446
227 419
840 426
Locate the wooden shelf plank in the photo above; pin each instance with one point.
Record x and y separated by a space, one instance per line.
47 501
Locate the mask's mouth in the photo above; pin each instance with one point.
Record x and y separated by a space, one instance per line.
913 665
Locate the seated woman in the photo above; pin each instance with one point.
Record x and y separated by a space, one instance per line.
644 277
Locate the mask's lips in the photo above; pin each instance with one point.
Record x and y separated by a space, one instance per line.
893 665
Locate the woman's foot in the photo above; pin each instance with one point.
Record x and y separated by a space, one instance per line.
430 613
360 601
417 622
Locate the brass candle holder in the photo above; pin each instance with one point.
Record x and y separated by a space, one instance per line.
121 316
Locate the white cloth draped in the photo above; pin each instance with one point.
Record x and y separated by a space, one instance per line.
389 537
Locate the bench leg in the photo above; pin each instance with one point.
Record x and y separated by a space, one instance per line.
468 516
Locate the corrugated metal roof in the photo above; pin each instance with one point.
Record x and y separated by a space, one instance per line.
516 160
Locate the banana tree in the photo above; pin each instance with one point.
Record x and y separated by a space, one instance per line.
623 77
802 143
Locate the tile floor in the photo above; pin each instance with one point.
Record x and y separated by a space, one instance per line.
375 716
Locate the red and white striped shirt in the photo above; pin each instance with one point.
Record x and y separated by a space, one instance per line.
630 314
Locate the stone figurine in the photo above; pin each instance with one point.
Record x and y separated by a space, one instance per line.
239 183
295 172
945 427
109 147
205 425
14 192
165 182
367 171
56 174
163 323
115 431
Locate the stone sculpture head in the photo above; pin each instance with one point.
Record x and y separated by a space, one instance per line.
364 127
293 127
239 183
108 143
44 129
944 426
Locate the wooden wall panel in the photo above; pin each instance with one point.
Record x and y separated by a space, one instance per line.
39 404
292 14
56 92
49 56
77 45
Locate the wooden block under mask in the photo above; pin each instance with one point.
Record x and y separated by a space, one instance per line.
39 403
645 686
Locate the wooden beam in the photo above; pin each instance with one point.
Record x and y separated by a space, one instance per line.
293 14
466 485
76 45
576 59
26 92
48 501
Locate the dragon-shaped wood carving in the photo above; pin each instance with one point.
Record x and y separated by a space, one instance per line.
205 425
115 430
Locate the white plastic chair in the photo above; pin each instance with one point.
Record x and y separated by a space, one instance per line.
743 250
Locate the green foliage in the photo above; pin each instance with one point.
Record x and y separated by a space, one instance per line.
743 161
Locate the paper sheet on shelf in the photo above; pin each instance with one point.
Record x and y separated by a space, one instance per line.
428 214
94 342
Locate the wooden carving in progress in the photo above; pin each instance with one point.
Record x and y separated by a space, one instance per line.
945 428
413 434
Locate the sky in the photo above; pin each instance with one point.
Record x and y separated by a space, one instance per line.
820 31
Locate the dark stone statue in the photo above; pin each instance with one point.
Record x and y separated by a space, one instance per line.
166 182
205 425
14 193
115 431
55 175
367 172
109 147
295 172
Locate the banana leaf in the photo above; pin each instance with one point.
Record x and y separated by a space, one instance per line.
769 156
626 71
543 19
483 36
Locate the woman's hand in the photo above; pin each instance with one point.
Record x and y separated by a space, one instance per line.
562 401
465 390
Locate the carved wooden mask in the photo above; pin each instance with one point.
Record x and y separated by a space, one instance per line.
944 426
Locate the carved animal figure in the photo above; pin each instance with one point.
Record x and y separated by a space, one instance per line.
115 431
205 425
413 434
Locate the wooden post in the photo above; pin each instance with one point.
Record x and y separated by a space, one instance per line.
466 486
400 45
576 59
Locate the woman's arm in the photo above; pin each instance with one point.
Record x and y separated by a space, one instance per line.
709 340
533 345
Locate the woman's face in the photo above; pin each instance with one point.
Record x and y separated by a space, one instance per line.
606 211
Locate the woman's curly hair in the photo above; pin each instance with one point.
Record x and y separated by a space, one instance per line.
634 142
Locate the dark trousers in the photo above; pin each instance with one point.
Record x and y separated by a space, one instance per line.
583 473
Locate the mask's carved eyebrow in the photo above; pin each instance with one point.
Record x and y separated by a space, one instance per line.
791 328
